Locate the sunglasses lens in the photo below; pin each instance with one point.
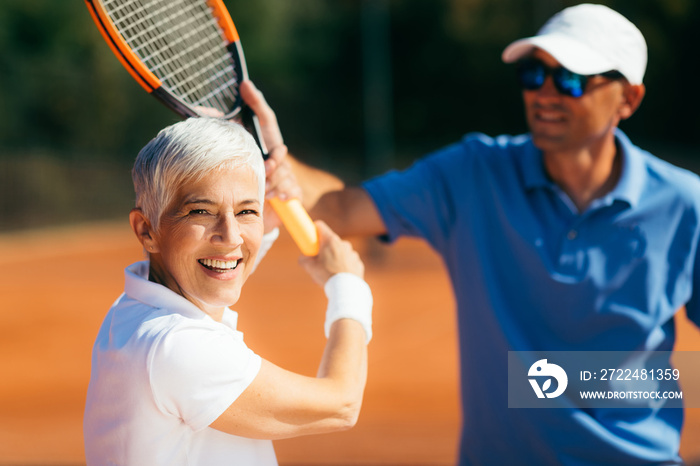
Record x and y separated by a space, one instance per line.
569 83
531 74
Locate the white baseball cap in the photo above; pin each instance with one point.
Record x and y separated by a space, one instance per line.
588 39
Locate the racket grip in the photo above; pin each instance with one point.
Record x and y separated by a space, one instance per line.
298 223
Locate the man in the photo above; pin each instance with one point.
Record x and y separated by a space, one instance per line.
568 238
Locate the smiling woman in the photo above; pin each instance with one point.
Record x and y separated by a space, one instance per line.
207 239
173 381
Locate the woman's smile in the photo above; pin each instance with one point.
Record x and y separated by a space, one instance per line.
221 269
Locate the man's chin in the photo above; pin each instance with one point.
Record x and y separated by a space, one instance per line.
549 142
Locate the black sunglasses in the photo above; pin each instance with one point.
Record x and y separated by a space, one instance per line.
532 73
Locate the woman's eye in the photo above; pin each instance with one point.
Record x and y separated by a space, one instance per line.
198 212
248 212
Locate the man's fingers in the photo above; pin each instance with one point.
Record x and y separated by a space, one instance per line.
275 158
278 153
284 191
256 101
266 116
279 177
209 111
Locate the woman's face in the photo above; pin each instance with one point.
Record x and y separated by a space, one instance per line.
209 237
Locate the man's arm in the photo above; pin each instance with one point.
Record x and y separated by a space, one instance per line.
314 182
349 211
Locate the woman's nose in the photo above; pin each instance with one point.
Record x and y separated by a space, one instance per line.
228 231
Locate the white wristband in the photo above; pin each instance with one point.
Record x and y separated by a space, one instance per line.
349 297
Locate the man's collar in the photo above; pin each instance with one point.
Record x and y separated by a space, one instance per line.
633 176
628 188
532 168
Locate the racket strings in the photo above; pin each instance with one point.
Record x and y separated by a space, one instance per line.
212 63
182 44
191 45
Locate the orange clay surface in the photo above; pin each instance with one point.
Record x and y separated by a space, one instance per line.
56 286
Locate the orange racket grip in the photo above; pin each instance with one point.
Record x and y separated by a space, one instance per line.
298 223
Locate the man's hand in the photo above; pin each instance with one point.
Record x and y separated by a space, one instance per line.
280 180
268 121
280 183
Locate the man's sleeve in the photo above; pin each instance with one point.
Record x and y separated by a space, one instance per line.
418 201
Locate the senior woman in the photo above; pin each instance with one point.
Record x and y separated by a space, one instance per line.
173 382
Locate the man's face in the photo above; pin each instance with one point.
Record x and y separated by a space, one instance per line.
561 123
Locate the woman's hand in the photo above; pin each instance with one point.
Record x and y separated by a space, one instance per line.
335 256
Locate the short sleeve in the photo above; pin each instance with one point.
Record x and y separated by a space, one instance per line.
197 372
418 201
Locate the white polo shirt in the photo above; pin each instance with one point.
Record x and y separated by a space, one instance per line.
162 371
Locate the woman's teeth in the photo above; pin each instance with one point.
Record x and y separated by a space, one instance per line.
219 265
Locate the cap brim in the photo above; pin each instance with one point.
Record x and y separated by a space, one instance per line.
571 54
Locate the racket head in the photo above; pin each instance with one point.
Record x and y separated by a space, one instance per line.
187 53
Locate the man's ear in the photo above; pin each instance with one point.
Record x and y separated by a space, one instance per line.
633 95
142 229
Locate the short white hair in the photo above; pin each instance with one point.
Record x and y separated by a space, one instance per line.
184 153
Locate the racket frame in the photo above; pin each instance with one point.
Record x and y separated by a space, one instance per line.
291 212
152 84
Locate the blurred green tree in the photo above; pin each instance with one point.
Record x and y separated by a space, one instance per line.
64 95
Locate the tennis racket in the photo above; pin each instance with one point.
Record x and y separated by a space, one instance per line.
187 53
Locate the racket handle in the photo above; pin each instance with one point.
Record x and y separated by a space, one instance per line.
298 223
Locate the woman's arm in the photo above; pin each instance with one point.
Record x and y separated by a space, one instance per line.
279 403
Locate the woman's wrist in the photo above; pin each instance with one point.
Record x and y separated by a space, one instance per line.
349 297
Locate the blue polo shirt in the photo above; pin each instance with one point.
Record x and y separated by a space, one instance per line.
532 273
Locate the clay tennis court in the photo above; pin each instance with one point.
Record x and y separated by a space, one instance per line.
56 286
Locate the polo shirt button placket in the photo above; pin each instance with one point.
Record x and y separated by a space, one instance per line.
572 259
